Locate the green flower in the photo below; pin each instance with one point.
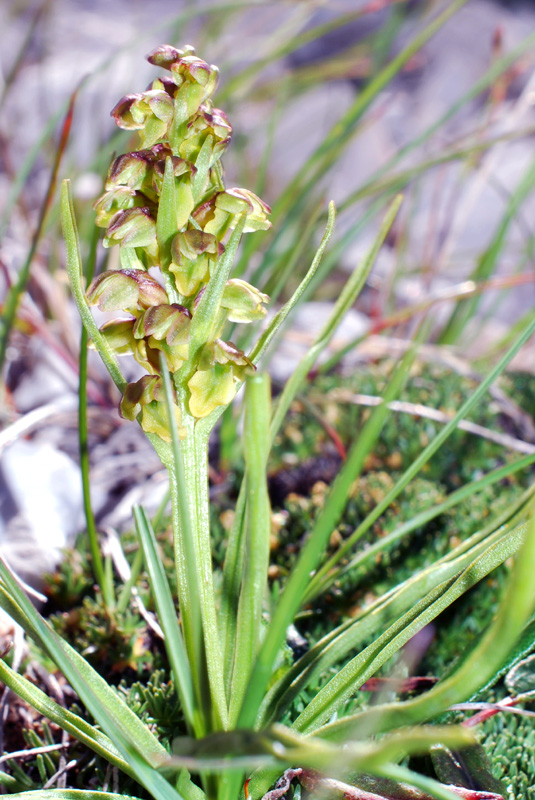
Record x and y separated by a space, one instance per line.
125 290
193 252
243 302
147 397
182 140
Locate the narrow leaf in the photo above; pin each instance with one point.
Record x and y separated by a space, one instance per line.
174 643
253 588
322 578
74 271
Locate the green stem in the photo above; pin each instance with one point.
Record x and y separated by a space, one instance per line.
94 545
193 558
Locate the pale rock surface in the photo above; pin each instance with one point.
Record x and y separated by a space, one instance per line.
40 507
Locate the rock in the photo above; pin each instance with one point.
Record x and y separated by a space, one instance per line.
40 507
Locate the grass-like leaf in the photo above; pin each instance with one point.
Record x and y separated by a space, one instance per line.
425 516
136 744
88 734
257 445
347 298
323 579
167 614
383 612
69 794
193 569
484 661
17 289
75 273
366 663
488 261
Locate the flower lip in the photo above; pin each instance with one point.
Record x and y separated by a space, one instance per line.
123 107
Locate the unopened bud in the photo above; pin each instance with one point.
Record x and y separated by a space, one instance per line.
119 199
119 333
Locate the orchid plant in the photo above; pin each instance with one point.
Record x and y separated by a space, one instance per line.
175 229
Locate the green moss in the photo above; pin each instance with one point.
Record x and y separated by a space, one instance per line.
509 741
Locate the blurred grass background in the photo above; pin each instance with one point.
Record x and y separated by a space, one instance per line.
346 100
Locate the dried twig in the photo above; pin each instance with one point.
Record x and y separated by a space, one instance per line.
34 751
112 546
60 773
419 410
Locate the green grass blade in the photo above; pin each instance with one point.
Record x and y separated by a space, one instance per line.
69 794
28 164
233 567
92 535
17 289
75 273
276 282
257 444
314 548
187 560
290 203
432 788
370 186
488 262
372 757
425 516
291 44
167 615
354 633
366 663
321 580
281 280
486 658
497 69
232 576
282 314
137 745
89 735
341 132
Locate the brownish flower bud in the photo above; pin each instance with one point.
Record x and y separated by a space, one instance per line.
130 169
207 122
221 213
119 334
192 254
125 290
150 112
118 199
134 227
121 112
164 56
148 397
169 322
